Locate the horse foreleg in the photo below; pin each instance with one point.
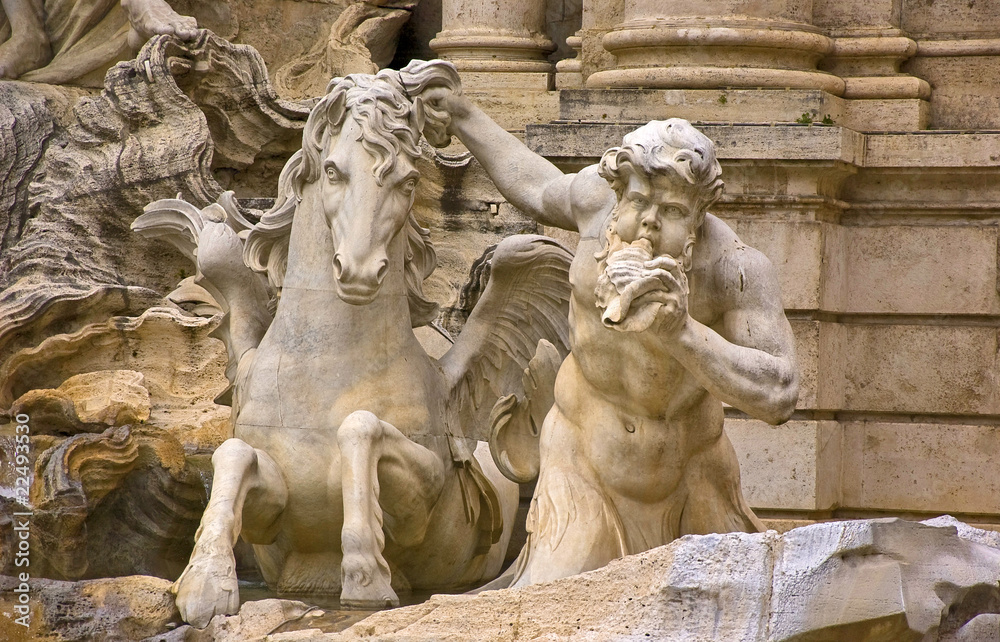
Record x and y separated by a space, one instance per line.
373 451
247 491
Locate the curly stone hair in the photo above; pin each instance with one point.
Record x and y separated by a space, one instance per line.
663 146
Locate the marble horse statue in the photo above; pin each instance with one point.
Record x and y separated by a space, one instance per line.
358 464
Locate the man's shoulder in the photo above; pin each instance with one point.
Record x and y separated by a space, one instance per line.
734 265
591 198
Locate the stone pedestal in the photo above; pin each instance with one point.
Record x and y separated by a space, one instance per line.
716 44
869 66
569 72
496 43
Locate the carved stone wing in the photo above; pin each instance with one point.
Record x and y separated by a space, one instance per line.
523 309
210 238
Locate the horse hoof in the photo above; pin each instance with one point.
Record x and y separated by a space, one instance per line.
207 587
367 604
366 585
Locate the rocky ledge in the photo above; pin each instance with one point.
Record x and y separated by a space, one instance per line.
870 580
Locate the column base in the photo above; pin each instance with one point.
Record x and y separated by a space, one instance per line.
744 53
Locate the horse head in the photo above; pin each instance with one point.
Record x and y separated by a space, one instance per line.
358 164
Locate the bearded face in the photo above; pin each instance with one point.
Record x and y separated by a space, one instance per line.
662 210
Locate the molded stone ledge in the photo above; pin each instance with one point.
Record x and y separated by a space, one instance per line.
756 142
743 106
794 466
886 114
933 149
921 467
512 105
916 194
787 142
705 105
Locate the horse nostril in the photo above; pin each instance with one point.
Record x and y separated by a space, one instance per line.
383 269
338 269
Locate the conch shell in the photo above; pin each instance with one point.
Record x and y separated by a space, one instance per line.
622 281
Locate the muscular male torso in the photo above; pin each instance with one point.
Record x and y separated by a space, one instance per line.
623 398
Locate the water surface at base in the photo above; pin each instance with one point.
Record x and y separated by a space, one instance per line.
250 592
327 616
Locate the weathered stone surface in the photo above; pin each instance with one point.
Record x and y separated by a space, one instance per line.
106 398
125 608
921 368
183 370
361 41
258 619
877 580
146 137
796 249
926 269
794 466
114 503
25 126
920 467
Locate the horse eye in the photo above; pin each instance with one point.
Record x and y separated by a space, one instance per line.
333 174
408 186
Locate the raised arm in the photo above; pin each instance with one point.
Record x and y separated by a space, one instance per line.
535 186
751 364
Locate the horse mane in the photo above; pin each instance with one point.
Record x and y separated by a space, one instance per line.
391 121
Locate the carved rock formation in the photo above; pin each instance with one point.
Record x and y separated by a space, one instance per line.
88 402
165 122
361 41
25 126
116 503
260 618
876 580
183 370
125 608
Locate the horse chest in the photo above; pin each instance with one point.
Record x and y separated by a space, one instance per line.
314 388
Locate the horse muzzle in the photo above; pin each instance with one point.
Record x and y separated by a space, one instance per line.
359 286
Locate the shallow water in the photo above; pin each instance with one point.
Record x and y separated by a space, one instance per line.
328 616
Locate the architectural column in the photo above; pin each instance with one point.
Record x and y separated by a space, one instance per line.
709 44
569 73
496 42
868 48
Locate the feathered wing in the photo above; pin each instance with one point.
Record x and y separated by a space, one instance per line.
210 238
502 367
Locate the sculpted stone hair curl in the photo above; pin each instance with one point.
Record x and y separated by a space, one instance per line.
663 146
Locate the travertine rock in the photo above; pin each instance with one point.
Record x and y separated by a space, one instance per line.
147 137
182 366
124 608
260 618
361 41
875 580
25 125
108 398
123 501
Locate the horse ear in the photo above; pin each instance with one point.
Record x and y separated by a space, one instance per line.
417 114
338 105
